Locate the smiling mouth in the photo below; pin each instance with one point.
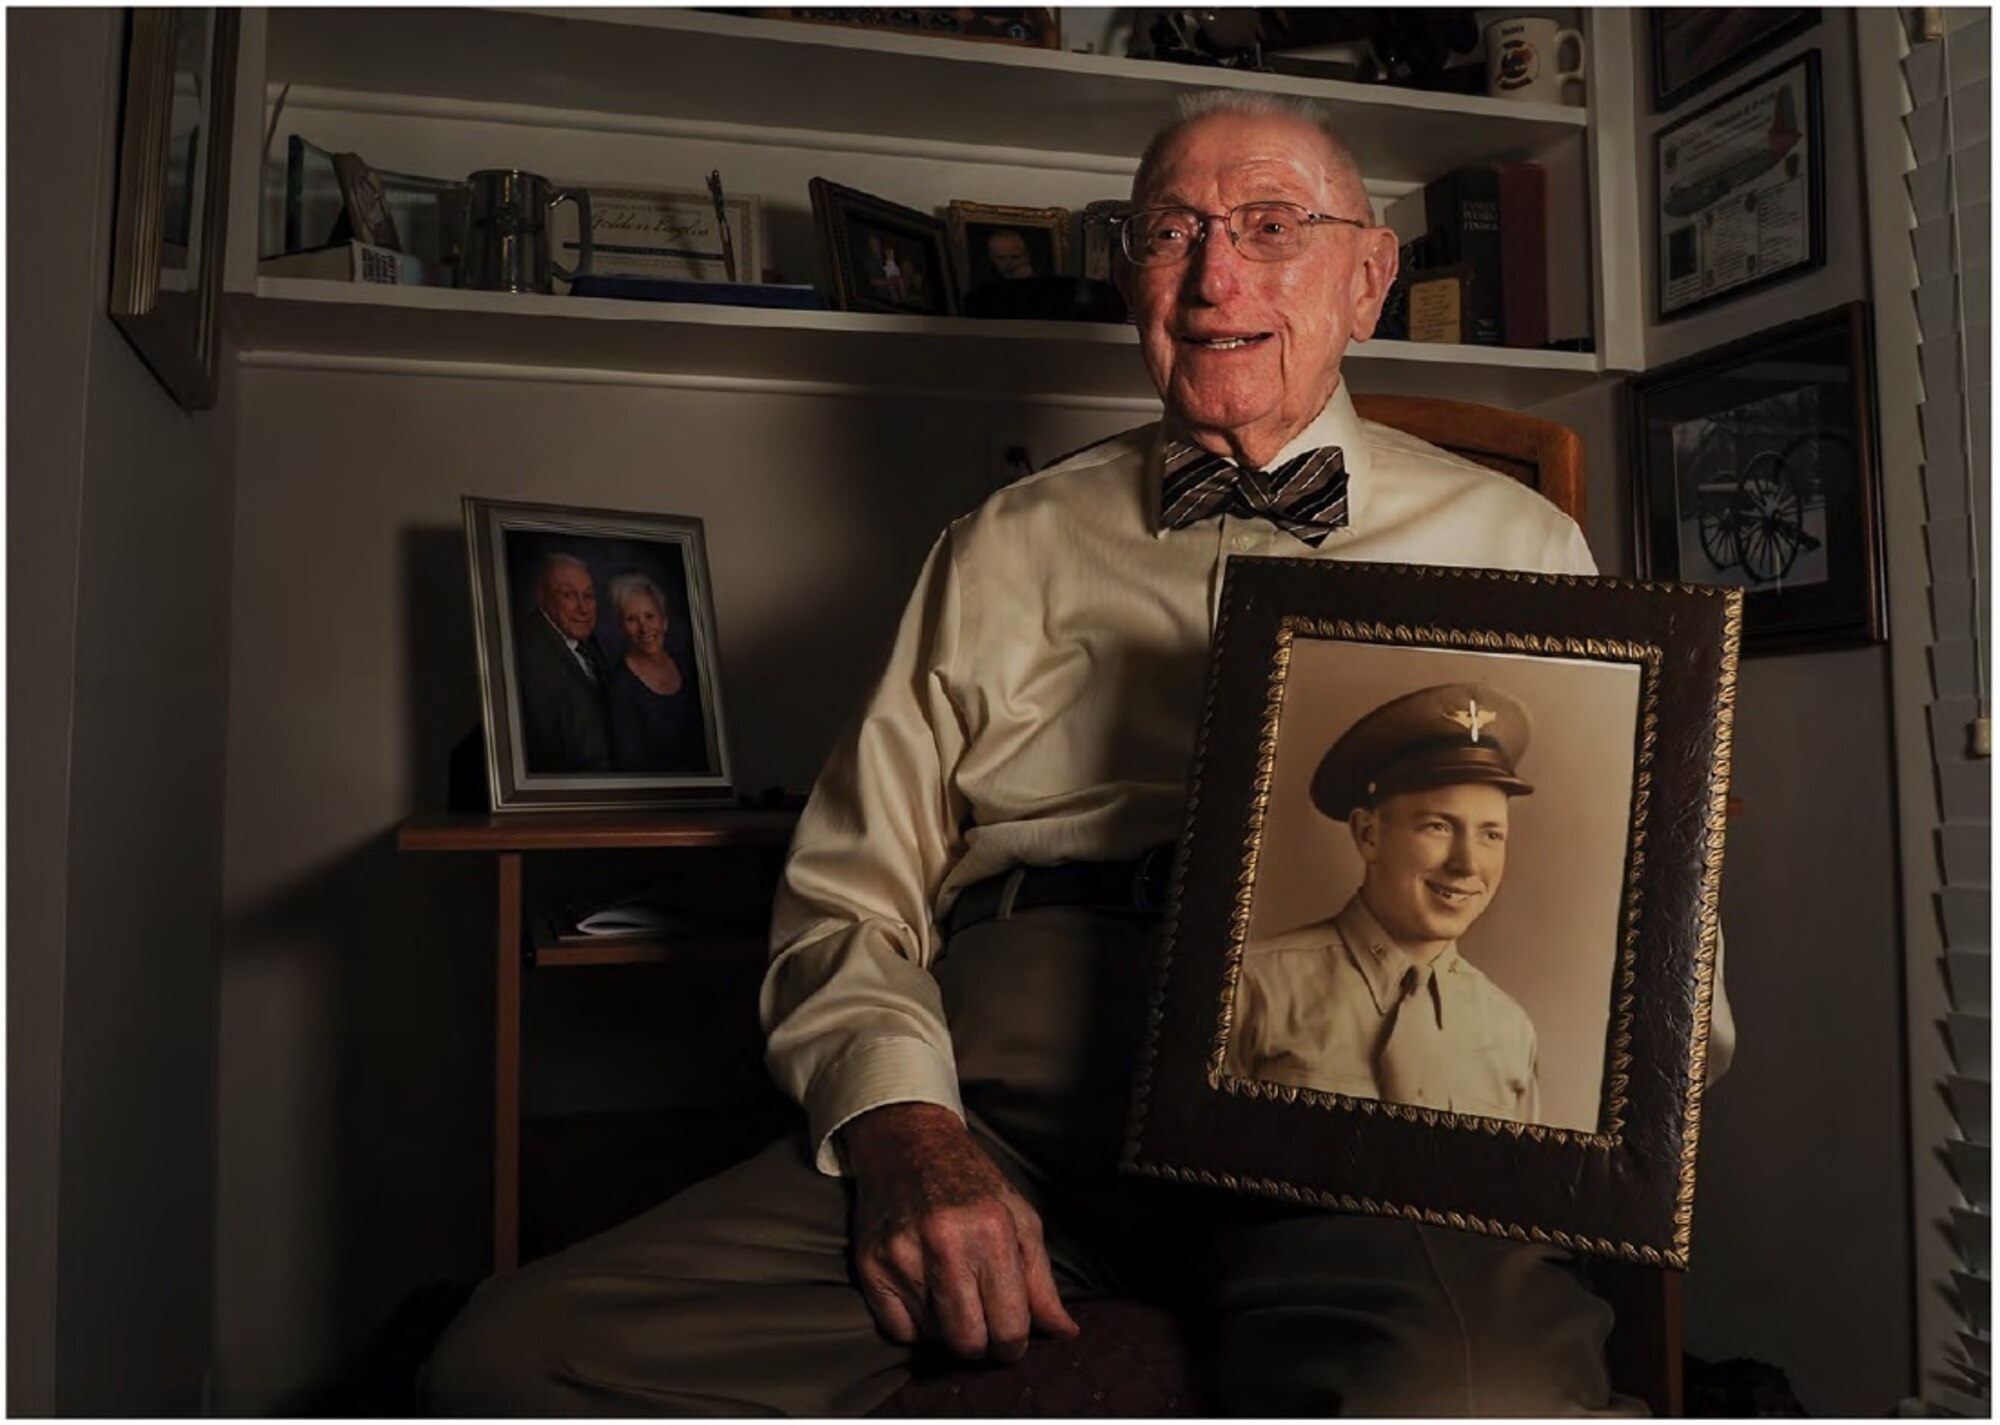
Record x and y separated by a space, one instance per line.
1226 343
1452 895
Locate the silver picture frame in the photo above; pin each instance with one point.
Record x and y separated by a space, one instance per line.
545 751
172 206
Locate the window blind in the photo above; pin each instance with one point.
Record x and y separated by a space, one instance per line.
1947 72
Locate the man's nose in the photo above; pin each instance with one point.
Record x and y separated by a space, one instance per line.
1459 857
1215 266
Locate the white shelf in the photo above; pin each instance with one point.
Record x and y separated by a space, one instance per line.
1049 362
779 74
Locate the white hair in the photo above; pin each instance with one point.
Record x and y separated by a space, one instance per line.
1192 108
555 560
626 585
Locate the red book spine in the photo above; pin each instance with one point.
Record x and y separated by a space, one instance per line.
1524 254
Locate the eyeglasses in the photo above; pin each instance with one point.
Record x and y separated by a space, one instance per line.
1262 232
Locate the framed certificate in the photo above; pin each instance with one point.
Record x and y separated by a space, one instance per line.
1740 191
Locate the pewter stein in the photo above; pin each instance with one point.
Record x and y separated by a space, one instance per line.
507 231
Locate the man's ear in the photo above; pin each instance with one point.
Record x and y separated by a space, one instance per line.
1374 274
1363 823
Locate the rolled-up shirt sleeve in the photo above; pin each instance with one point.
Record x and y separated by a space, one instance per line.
853 1018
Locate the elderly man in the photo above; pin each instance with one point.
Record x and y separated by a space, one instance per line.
1377 1002
961 949
562 671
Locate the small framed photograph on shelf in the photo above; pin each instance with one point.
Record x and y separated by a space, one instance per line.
1755 468
1441 938
1694 48
668 234
1740 191
598 664
992 243
880 256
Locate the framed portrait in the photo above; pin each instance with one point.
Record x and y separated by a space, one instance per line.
1694 48
598 664
992 243
1740 191
881 256
1442 933
1756 469
170 222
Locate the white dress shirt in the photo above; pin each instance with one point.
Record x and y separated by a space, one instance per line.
1039 706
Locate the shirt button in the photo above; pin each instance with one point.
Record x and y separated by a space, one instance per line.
1241 542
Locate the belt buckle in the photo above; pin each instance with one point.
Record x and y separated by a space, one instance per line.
1149 880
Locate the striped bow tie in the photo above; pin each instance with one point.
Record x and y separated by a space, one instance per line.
1306 496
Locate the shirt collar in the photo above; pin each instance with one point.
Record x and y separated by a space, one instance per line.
1336 424
1380 961
568 642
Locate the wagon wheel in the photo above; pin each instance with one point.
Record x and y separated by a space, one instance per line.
1715 525
1770 517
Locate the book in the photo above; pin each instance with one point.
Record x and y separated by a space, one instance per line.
351 261
1462 220
1524 253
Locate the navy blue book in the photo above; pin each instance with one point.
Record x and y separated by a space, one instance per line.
1462 221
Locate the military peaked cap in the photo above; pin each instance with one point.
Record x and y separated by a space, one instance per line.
1434 737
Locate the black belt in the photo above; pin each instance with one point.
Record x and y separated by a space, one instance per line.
1135 887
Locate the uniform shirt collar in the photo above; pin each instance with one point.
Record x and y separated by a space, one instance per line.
1336 424
1380 961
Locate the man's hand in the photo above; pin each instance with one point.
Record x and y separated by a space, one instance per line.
945 1248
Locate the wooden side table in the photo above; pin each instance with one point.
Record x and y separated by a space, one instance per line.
510 838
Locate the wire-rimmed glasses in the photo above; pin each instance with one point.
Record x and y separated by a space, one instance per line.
1262 232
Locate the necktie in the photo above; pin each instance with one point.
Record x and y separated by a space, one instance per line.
1306 496
1409 1068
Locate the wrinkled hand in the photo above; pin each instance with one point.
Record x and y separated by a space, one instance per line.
945 1248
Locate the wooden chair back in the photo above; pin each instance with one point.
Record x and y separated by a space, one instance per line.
1542 455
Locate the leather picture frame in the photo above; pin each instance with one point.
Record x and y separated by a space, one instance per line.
1327 672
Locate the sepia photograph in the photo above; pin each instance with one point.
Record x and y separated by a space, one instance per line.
1449 830
597 657
1385 959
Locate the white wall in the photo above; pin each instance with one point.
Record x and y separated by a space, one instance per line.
118 583
357 987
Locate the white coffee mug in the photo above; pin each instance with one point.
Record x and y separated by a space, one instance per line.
1524 60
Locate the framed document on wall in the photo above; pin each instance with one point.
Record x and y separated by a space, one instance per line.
1740 191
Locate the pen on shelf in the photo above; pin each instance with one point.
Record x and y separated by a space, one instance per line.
722 222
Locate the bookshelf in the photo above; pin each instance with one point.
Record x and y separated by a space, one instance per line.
656 97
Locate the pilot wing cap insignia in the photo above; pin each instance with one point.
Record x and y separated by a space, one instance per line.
1472 717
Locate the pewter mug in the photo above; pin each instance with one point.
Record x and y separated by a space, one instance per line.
507 231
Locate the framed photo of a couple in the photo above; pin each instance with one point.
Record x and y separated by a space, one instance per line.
599 684
1442 939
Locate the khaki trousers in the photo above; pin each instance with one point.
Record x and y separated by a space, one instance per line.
736 1297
